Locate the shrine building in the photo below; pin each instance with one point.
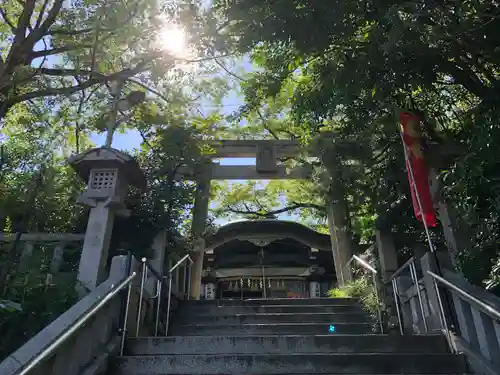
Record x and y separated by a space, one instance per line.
267 259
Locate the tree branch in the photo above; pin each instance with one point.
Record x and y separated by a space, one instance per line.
55 51
23 23
74 32
294 206
41 31
97 78
234 75
40 15
149 89
69 72
131 16
264 125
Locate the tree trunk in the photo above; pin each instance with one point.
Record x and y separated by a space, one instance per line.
343 242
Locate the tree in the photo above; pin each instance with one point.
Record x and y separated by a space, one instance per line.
350 71
166 202
170 142
268 200
55 49
45 119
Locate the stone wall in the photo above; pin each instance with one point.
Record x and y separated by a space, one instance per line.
469 319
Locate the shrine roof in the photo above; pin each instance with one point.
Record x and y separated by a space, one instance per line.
268 231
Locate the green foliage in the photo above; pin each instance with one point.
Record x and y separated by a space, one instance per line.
62 49
271 199
350 70
164 205
41 305
34 296
361 288
316 74
53 97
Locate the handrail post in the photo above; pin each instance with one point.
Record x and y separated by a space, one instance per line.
180 262
168 303
169 297
189 281
379 312
125 318
442 317
395 292
485 307
157 320
141 294
413 272
466 296
374 281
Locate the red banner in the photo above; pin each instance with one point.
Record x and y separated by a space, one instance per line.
412 137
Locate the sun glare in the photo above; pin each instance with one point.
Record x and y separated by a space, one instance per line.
173 40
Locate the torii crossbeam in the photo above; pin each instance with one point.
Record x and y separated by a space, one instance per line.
267 154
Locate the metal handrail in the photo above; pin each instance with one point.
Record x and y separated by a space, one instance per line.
363 263
367 266
184 258
49 350
487 309
152 269
180 262
410 264
401 269
146 268
160 281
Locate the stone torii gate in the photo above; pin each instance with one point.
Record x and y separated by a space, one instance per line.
267 154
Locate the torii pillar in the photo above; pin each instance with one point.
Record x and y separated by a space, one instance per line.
200 214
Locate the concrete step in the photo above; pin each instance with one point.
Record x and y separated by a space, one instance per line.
389 363
286 344
273 318
274 301
263 309
272 329
118 373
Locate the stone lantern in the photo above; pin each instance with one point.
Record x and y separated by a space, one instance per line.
109 174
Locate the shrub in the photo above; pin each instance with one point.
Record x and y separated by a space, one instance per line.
361 288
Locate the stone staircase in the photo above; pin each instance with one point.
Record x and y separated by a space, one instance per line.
283 336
